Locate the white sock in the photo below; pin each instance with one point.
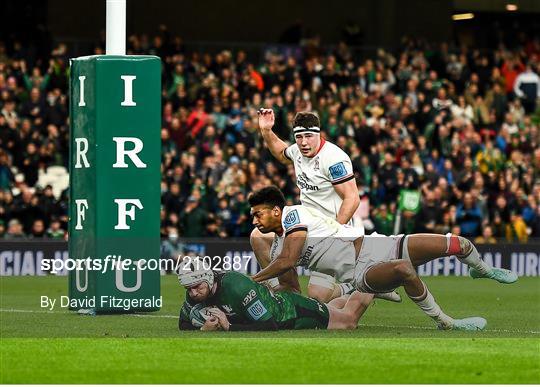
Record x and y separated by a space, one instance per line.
427 303
472 258
345 288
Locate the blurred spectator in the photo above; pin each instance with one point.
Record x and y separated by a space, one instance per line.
429 215
172 247
486 237
469 216
455 230
55 230
510 70
458 125
38 229
383 220
25 208
193 219
516 230
6 175
527 88
172 199
14 230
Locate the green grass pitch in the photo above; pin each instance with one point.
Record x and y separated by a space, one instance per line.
395 343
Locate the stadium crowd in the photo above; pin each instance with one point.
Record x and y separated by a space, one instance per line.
460 125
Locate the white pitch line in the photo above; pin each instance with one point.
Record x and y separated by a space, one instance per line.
28 311
433 328
361 325
71 312
153 316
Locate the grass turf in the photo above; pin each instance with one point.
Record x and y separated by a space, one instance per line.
395 343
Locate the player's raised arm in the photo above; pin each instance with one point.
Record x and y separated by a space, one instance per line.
276 145
286 260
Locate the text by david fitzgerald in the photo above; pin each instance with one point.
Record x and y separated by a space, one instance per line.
110 302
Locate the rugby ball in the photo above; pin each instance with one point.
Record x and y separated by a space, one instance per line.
199 314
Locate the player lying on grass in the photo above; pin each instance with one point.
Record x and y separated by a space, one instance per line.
372 263
232 301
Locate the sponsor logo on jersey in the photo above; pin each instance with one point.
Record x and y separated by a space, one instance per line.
302 182
304 259
291 219
338 170
257 310
249 297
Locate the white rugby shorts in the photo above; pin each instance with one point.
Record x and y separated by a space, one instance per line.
376 249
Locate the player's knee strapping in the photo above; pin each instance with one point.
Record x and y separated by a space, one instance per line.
466 252
458 246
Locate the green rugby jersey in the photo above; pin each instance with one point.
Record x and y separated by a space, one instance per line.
251 306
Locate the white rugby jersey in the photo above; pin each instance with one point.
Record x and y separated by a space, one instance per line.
329 245
317 175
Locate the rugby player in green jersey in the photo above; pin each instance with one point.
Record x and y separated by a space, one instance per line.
234 302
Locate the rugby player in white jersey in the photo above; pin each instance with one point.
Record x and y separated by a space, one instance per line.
325 178
372 263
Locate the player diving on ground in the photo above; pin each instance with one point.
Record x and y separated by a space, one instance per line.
372 263
232 301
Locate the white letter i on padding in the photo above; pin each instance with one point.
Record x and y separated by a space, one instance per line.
128 90
81 90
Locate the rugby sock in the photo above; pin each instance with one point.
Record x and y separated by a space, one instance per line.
466 252
346 288
427 303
